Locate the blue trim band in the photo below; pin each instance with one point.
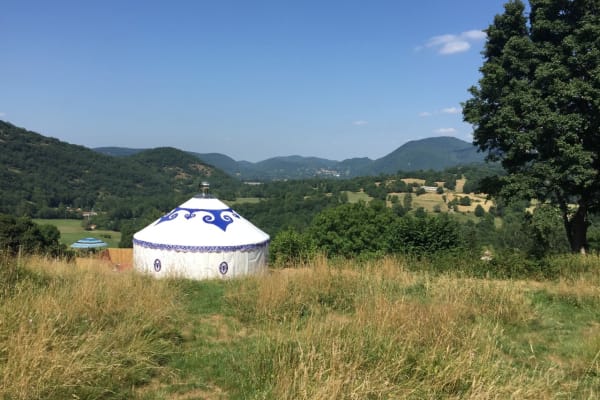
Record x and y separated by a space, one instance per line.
200 249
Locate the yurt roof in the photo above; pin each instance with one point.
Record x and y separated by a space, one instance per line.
201 224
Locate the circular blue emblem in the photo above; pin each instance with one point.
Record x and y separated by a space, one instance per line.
223 268
157 265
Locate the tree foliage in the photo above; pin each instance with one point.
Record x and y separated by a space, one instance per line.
352 229
536 108
21 234
358 229
291 247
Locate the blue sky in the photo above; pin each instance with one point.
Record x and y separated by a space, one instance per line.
250 79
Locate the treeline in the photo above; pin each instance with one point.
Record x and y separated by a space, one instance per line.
521 243
279 205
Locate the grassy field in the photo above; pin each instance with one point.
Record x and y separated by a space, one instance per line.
430 200
242 200
71 231
355 197
322 331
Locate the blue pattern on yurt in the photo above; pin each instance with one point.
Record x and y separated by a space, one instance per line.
223 268
199 249
219 218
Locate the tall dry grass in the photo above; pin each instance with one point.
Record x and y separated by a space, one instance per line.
69 331
379 331
325 330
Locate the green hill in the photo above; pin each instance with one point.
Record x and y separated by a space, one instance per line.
40 175
435 153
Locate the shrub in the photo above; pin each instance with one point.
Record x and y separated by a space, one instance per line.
22 235
352 229
465 201
479 211
291 247
422 236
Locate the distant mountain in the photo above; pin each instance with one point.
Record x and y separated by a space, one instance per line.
434 153
292 167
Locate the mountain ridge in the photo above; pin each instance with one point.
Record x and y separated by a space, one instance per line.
436 153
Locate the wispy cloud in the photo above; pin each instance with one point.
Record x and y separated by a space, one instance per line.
446 110
451 110
444 131
2 114
453 43
360 122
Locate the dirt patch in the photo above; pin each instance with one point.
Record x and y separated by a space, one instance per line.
169 390
223 329
212 393
207 171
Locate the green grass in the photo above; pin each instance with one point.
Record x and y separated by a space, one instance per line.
382 332
70 332
71 231
342 330
355 197
428 201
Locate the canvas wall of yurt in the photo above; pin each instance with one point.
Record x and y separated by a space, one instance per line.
203 238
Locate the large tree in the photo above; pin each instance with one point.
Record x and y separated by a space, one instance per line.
536 108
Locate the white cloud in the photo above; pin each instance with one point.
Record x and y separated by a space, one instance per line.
455 46
447 110
451 110
445 131
452 44
474 35
359 122
2 114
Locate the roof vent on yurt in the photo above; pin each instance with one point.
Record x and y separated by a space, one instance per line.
203 238
204 186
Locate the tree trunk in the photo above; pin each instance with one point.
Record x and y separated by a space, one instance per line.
577 230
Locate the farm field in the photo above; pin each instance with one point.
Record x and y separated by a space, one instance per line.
430 200
71 231
241 200
355 197
326 330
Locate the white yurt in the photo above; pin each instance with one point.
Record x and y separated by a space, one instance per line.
201 239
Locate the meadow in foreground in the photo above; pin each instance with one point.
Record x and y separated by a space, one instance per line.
328 330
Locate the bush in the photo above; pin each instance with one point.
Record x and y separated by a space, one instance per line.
352 229
291 247
22 235
479 211
465 201
424 236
